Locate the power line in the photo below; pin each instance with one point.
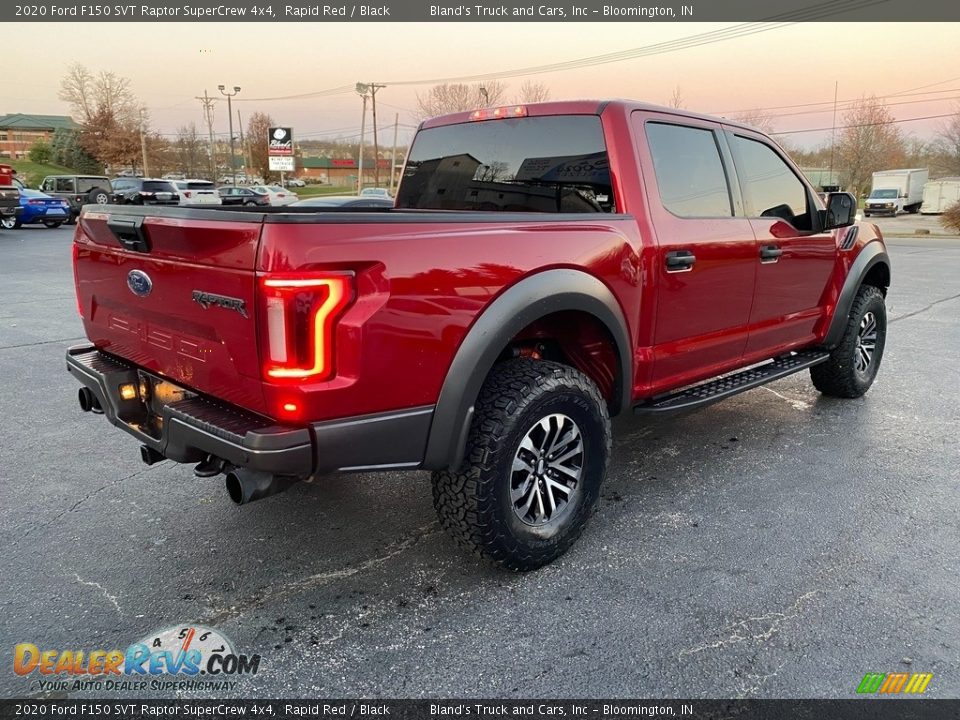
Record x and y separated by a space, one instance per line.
816 12
829 103
862 125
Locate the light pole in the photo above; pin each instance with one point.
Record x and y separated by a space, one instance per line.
362 89
143 143
233 162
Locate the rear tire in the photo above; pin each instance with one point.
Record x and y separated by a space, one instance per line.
52 223
98 196
536 455
9 222
854 363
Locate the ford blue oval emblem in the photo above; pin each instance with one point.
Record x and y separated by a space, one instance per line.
139 283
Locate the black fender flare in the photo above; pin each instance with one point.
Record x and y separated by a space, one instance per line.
528 300
872 254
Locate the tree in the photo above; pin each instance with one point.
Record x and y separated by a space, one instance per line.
67 151
190 151
868 142
108 112
948 144
676 99
459 97
258 142
532 92
758 118
40 152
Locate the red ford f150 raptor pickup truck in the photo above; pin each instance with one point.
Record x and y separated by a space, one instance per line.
544 268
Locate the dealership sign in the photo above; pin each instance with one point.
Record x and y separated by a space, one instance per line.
280 141
279 163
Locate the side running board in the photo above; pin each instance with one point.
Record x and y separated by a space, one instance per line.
724 387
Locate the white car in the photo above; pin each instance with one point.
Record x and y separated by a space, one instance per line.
278 195
295 182
197 192
376 192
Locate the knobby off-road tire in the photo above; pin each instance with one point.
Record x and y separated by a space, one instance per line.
854 363
537 425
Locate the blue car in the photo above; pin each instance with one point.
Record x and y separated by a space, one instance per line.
38 207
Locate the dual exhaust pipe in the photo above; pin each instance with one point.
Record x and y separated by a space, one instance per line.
243 485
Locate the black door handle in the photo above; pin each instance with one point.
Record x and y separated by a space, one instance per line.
770 252
680 260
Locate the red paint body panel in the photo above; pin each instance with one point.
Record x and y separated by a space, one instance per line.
420 286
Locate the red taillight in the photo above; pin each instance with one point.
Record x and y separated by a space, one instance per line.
36 202
300 313
76 279
512 111
186 193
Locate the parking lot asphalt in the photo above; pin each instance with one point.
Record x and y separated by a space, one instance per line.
777 544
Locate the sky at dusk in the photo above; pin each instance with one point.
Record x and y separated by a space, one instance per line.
915 66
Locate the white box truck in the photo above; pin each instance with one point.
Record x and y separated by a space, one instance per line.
938 195
895 191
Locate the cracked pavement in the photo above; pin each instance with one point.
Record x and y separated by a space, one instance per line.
778 544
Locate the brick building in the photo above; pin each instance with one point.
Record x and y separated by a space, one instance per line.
18 132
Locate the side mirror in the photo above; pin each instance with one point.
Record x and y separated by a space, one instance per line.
841 210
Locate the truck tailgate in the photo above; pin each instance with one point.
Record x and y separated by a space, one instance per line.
175 296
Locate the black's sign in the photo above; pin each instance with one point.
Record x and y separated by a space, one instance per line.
280 141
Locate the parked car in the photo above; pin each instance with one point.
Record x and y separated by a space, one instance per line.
38 207
376 192
197 192
629 258
278 196
78 190
174 176
144 191
9 196
233 195
344 201
294 182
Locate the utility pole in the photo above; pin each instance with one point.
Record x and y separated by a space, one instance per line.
833 132
362 90
243 148
393 152
376 146
229 96
207 103
143 144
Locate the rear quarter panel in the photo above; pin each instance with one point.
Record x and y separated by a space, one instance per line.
420 286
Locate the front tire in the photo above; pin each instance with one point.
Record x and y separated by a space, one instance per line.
9 222
854 363
536 455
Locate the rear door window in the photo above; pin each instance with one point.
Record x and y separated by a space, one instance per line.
689 171
554 164
158 186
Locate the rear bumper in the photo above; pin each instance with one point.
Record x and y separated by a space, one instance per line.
192 428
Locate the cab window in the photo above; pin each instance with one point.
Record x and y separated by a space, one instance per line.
689 171
65 185
770 187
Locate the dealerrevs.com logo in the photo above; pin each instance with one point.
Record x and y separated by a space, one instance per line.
177 658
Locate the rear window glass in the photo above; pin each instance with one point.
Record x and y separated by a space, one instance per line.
553 164
87 184
198 185
158 186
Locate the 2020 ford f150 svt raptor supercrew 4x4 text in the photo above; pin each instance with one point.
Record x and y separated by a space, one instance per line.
544 268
